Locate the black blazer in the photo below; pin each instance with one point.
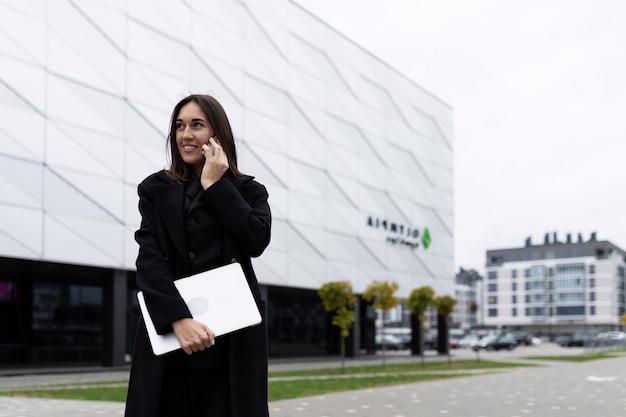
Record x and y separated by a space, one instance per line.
240 206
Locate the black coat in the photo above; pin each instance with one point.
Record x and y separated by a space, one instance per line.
240 206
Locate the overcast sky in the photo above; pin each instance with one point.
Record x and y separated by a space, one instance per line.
538 91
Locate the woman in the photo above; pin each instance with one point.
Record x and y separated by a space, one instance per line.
199 214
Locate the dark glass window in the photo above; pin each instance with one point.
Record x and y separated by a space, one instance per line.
298 323
492 275
493 312
570 311
514 273
67 322
492 287
496 260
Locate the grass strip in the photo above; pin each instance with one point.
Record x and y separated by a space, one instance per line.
90 393
457 365
284 390
304 383
583 357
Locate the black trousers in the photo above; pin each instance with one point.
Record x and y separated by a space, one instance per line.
195 392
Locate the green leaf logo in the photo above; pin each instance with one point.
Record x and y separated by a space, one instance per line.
426 238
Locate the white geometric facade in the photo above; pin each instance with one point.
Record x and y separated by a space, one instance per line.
357 158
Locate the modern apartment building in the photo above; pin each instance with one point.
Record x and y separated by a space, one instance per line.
556 286
356 157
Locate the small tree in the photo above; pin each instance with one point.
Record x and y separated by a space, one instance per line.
338 298
418 302
381 295
445 306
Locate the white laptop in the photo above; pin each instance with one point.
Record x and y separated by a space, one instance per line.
219 298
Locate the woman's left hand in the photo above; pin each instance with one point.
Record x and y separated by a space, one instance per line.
215 163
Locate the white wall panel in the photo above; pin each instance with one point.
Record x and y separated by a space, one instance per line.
62 244
21 231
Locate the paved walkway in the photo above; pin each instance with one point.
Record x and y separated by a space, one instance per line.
591 389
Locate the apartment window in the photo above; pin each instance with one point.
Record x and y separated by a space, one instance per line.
514 273
527 299
574 297
570 276
535 312
492 287
514 286
592 282
514 299
570 311
592 310
592 269
492 275
592 296
492 312
492 299
514 312
527 273
537 271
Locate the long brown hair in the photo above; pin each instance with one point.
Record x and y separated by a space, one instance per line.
216 116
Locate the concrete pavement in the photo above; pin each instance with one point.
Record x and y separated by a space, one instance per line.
591 389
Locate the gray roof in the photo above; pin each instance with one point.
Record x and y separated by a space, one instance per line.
555 249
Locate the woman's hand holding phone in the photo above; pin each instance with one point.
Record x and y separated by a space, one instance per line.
215 163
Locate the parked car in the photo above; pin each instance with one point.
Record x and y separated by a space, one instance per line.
505 341
390 341
430 340
484 342
453 342
405 339
497 342
612 336
578 339
563 339
523 338
468 341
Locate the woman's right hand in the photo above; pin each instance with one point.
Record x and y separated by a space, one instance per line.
192 335
215 163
